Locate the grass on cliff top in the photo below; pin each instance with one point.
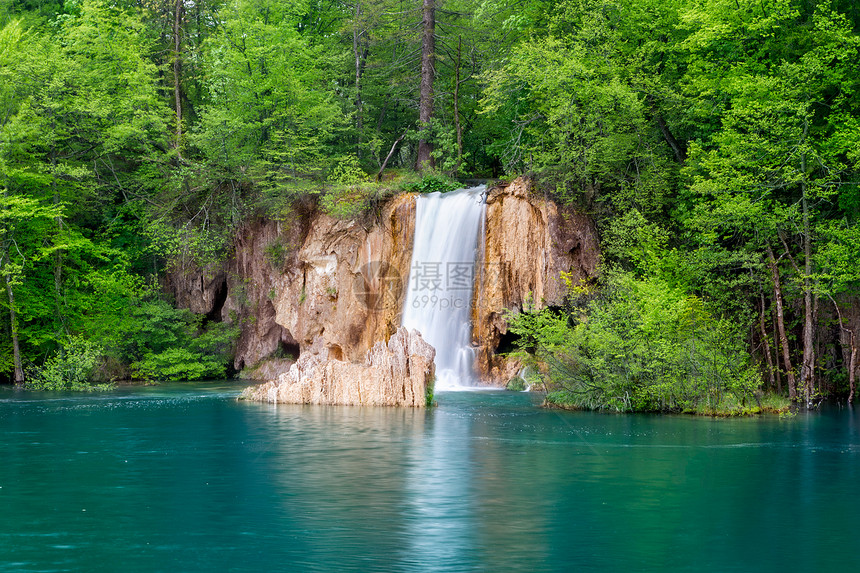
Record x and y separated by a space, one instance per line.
352 193
347 191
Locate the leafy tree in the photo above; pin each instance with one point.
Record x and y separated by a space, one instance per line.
269 112
639 345
70 369
761 181
578 112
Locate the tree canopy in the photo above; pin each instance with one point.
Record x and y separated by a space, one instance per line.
136 137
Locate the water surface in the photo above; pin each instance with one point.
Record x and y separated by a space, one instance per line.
185 478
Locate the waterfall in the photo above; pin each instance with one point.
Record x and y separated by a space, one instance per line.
441 279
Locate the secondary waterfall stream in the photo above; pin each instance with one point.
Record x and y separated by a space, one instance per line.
441 279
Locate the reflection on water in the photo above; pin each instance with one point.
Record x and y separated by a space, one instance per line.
185 478
440 512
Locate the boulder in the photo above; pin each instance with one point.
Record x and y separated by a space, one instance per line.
397 373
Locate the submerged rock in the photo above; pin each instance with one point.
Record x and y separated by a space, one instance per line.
399 373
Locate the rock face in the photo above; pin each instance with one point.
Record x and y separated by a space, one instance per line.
530 241
399 373
320 285
308 280
346 288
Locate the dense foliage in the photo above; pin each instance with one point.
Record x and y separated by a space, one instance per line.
640 345
715 141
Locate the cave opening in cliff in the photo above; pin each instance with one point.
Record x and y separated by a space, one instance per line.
507 343
219 299
288 350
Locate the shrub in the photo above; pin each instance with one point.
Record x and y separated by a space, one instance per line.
178 364
642 345
350 191
433 182
276 254
184 349
429 394
348 171
71 368
348 201
516 384
159 342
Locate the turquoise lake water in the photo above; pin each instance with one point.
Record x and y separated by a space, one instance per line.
186 478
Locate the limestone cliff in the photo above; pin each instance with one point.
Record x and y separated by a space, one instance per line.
312 279
315 283
347 286
398 373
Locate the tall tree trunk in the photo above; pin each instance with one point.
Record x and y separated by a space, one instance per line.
13 320
359 51
780 321
816 343
678 148
852 366
766 344
852 360
806 369
58 256
457 126
776 351
428 72
387 157
177 73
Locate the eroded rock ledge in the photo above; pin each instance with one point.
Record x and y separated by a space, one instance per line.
398 373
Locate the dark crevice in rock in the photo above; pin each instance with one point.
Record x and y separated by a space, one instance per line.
220 297
287 349
507 343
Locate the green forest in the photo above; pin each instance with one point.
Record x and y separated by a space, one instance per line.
716 143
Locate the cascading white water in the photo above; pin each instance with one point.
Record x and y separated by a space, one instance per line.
441 278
